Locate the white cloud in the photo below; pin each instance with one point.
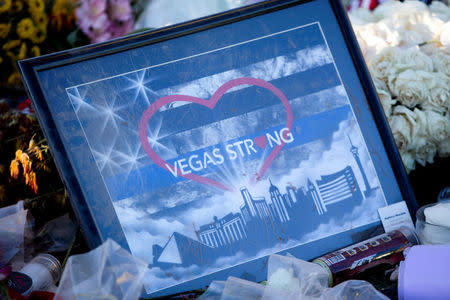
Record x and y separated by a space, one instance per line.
267 70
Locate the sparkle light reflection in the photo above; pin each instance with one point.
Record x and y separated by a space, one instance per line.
105 159
139 83
79 100
109 112
153 137
130 160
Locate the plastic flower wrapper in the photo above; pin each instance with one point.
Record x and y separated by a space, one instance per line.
12 225
214 291
353 289
294 278
240 289
56 235
107 272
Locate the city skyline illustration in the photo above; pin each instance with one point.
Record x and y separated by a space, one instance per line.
283 215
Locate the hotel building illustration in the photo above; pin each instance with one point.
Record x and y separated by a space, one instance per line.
263 222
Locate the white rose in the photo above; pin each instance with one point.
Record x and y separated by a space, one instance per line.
424 149
415 34
377 79
413 6
416 28
391 9
386 101
434 125
441 60
439 99
382 63
361 16
445 35
412 87
444 148
408 160
371 39
415 59
386 30
440 10
409 115
434 25
403 131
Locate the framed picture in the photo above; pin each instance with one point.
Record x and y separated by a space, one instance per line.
206 146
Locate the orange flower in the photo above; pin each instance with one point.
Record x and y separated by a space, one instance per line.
18 154
31 145
14 169
39 154
27 178
32 182
26 162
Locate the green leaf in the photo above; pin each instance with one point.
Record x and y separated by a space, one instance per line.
72 38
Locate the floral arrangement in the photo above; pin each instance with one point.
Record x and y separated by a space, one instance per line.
30 28
24 28
407 49
27 171
102 20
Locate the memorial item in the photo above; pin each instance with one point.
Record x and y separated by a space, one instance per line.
432 223
351 261
425 273
107 272
291 278
40 274
406 46
204 147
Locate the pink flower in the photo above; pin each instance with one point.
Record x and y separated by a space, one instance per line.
120 10
91 15
90 9
119 29
102 20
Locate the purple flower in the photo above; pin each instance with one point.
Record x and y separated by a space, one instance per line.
120 10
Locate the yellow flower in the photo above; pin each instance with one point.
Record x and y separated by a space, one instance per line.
22 52
1 59
41 20
11 55
36 5
38 37
63 13
14 79
17 6
5 5
35 51
4 30
25 28
11 44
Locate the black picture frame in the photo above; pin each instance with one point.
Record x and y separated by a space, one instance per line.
255 36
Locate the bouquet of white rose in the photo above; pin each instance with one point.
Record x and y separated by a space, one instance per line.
406 46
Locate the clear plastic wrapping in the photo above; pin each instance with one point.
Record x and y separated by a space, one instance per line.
107 272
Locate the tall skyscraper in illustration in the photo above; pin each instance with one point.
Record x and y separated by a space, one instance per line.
354 151
278 202
311 193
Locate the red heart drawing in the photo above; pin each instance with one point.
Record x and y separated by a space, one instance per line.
211 103
261 141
